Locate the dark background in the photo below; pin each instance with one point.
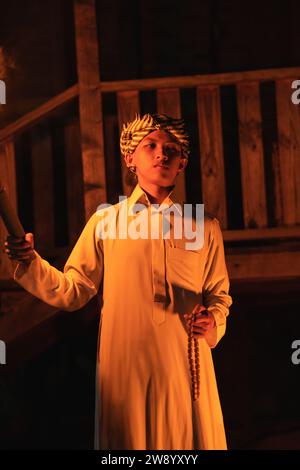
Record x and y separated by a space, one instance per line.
48 401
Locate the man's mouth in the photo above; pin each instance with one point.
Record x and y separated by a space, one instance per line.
161 166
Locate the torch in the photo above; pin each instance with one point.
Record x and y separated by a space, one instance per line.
9 215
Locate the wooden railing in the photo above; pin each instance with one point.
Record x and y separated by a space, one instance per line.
88 187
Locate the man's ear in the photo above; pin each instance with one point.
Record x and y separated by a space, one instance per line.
128 159
183 163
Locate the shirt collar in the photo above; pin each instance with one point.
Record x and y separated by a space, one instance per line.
139 195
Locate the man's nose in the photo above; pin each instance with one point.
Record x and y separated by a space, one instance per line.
161 154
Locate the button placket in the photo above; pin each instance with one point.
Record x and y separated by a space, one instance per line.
158 270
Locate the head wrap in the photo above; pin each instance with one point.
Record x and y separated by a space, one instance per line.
134 132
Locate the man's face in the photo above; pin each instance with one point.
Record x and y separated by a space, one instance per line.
158 159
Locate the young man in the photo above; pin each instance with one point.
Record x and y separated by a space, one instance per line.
153 391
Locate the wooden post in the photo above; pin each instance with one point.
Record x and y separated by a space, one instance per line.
8 179
168 102
211 151
90 106
128 105
288 119
252 157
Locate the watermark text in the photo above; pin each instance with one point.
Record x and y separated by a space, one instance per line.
2 92
161 221
2 353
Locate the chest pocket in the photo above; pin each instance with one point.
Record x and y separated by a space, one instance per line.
185 267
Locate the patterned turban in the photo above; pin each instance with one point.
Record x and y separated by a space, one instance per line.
133 132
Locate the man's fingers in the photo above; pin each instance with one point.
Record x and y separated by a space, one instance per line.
29 237
12 239
199 328
20 253
202 321
22 258
199 335
20 244
25 254
198 308
20 249
27 240
24 246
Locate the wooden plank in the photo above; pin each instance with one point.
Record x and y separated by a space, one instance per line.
90 106
288 120
8 179
39 114
42 183
272 265
168 102
74 183
193 81
251 154
128 105
211 152
262 233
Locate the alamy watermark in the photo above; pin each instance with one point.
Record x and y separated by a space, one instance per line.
296 94
2 353
188 224
295 357
2 92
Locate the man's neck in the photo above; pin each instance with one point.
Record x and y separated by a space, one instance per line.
156 194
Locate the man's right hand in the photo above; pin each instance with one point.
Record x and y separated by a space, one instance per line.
20 249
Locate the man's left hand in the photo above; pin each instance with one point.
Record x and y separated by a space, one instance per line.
203 323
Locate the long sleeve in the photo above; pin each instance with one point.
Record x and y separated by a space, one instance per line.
81 276
216 284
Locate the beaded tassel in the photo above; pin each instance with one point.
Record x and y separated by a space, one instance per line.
194 364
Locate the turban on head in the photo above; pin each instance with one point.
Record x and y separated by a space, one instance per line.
133 132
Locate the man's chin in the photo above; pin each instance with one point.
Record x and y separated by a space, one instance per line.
163 182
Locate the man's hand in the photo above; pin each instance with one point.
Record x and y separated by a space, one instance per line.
203 323
20 249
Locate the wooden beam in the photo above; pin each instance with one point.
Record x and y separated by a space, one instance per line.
193 81
39 114
263 266
90 106
128 105
211 152
262 233
8 179
288 119
251 153
168 102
